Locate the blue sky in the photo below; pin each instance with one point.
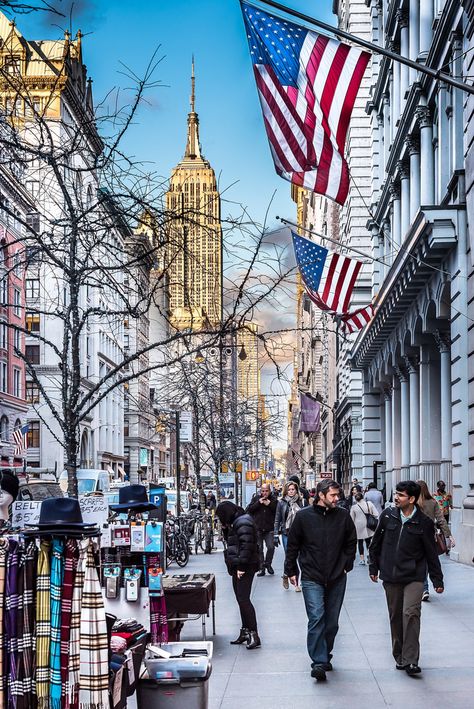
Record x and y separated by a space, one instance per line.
119 32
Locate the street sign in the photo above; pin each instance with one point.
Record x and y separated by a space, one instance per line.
325 476
185 427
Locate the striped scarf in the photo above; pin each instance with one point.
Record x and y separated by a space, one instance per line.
70 566
24 691
94 647
43 626
57 573
158 620
3 563
11 626
75 636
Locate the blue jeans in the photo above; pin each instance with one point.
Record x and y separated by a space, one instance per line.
284 541
323 606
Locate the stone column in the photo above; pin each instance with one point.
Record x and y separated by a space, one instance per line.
395 107
425 413
457 122
402 18
414 153
396 430
426 21
404 422
443 157
388 441
386 128
414 39
427 156
381 165
376 266
442 340
395 232
404 172
414 396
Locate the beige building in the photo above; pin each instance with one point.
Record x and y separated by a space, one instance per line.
194 249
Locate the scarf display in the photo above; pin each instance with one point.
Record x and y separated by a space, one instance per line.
94 682
24 689
75 635
10 620
293 508
71 557
3 562
57 572
43 626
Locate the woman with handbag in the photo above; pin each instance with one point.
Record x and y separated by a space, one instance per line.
429 506
362 513
291 502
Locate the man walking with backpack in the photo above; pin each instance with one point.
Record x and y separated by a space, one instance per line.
402 547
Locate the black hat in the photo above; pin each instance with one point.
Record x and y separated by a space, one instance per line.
58 513
9 483
133 497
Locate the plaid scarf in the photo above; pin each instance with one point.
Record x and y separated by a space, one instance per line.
75 636
24 690
57 573
71 558
43 626
3 563
94 681
10 619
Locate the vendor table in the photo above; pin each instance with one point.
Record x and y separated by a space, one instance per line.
191 594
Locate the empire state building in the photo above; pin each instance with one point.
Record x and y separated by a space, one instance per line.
194 235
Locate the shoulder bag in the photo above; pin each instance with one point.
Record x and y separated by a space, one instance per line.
370 519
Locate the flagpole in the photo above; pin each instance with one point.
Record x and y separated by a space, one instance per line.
333 241
436 74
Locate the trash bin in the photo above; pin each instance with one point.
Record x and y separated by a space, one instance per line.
181 680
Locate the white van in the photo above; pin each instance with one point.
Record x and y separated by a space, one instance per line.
88 480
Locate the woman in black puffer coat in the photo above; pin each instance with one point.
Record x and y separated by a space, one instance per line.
241 558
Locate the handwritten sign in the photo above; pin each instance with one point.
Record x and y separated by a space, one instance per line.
94 508
25 512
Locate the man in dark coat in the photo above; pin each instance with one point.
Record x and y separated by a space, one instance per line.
322 540
262 508
241 557
401 549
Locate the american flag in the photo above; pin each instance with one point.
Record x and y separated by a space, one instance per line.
328 277
20 438
307 85
358 319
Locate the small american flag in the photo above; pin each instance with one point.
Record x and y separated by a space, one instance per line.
307 85
328 277
351 322
20 439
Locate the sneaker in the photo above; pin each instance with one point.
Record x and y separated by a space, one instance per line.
298 589
425 596
362 562
400 667
412 670
318 673
270 569
261 572
286 583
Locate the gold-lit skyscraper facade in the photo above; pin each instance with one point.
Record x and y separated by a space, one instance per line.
194 235
248 377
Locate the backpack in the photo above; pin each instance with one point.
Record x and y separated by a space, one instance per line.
370 519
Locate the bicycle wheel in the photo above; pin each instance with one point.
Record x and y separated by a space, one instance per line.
181 552
197 537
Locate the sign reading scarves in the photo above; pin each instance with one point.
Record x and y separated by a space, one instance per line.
307 85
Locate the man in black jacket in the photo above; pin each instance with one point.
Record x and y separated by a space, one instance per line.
323 541
262 508
401 549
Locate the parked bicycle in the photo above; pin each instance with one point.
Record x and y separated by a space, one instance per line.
177 548
204 533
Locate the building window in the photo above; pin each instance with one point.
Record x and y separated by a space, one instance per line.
33 435
32 322
4 428
12 65
17 383
32 393
17 340
3 376
3 336
17 302
32 354
4 291
32 287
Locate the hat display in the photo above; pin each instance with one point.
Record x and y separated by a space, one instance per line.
133 497
60 514
9 483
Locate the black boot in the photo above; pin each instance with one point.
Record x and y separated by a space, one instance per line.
243 637
253 641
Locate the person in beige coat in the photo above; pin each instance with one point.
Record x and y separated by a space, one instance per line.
429 506
358 512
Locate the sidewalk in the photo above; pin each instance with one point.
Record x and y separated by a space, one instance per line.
277 676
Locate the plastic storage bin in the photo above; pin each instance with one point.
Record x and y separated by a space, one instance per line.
176 682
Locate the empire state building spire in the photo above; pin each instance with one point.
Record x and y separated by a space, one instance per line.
193 149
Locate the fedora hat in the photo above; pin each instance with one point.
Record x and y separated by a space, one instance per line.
61 512
133 497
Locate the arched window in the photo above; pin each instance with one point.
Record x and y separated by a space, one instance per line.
4 428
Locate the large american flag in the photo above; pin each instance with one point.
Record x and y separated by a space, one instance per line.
20 439
307 84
